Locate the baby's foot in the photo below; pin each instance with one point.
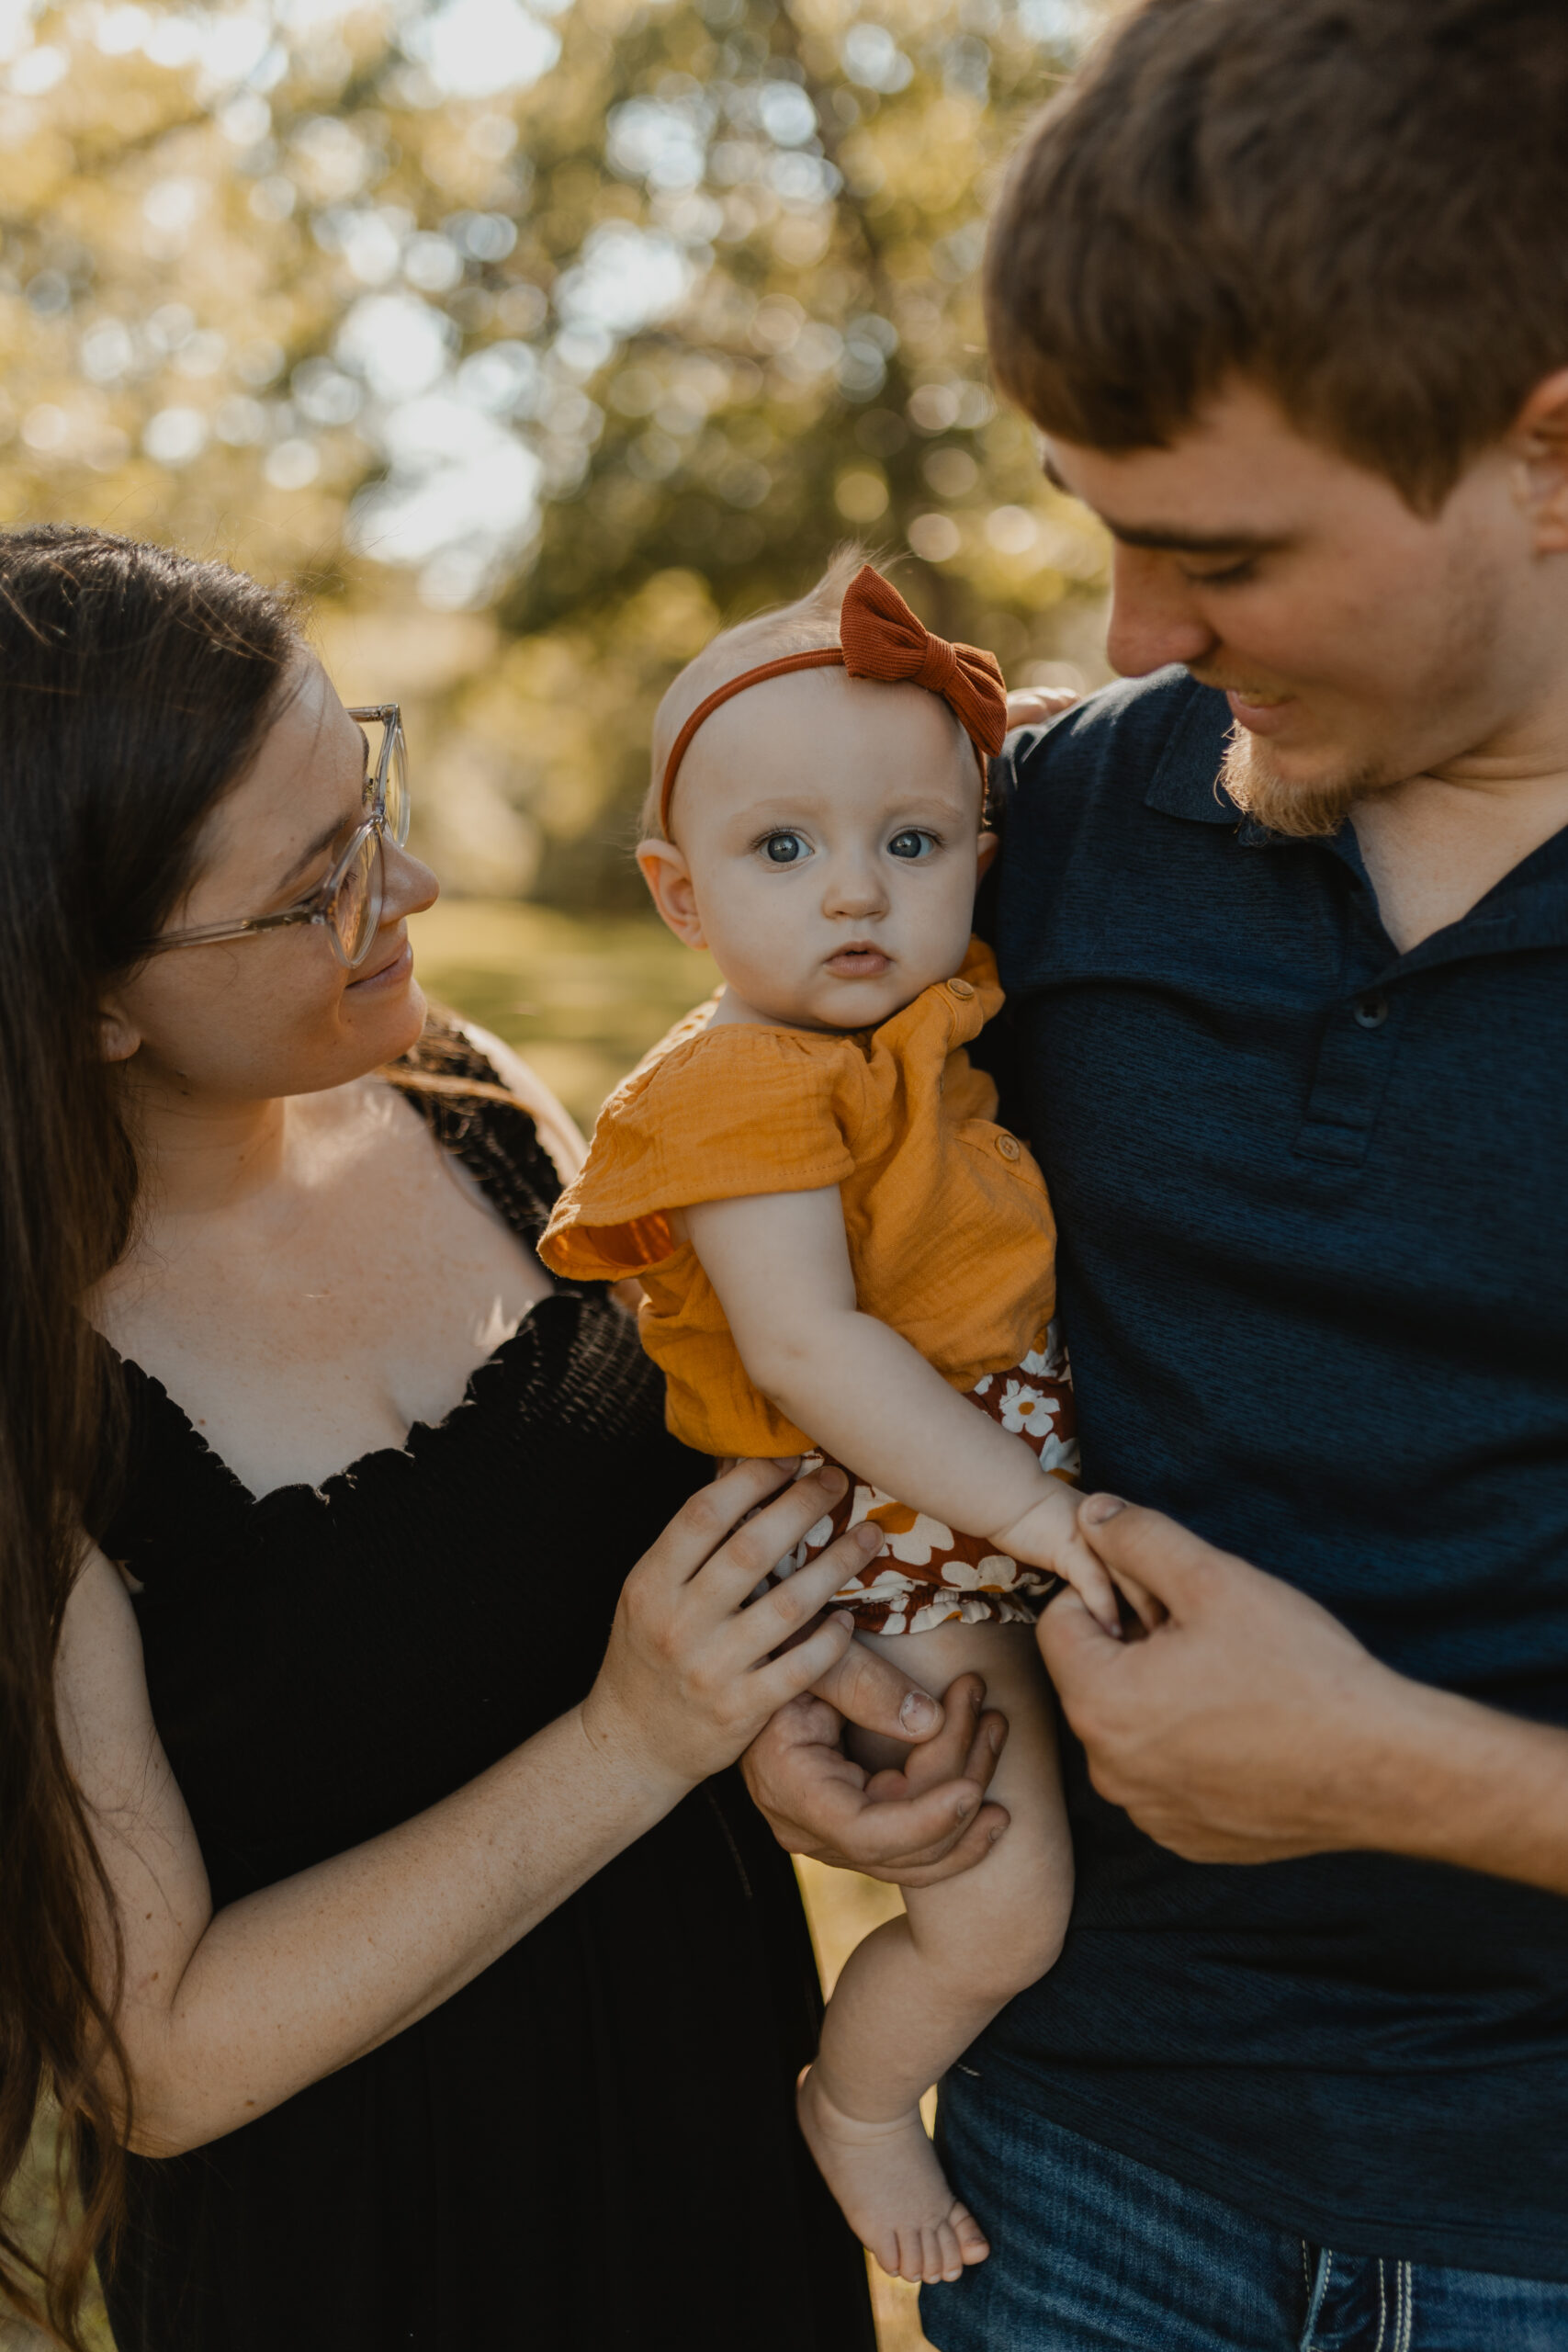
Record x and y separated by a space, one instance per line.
891 2187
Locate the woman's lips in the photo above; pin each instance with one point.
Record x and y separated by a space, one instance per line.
859 964
1260 718
391 974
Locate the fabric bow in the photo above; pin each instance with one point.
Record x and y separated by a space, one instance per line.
879 638
883 639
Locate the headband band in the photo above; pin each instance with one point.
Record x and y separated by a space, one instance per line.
882 638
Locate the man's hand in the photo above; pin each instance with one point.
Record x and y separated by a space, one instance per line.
1037 706
914 1826
1250 1726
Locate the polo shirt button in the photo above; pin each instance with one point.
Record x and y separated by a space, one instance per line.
1371 1011
960 989
1009 1147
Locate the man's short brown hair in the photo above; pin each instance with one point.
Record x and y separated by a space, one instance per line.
1359 204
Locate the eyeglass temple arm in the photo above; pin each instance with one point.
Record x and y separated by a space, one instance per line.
203 933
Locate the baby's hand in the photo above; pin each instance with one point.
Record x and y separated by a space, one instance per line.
1048 1536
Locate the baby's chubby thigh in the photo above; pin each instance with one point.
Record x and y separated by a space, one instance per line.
1002 1922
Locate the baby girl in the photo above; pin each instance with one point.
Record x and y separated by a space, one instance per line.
843 1256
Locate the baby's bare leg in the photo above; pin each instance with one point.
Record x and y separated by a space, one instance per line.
915 1994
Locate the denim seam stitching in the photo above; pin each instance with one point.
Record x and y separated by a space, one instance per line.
1383 2306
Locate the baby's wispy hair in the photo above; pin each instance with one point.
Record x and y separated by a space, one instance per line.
812 621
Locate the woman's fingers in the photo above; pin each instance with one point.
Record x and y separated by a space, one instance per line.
708 1520
777 1620
730 1578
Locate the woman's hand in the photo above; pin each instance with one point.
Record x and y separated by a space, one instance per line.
691 1676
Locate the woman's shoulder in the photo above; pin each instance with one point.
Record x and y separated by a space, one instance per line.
481 1102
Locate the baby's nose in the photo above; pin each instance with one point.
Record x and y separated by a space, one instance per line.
854 890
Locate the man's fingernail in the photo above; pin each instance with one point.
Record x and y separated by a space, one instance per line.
831 1481
842 1617
963 1808
868 1535
994 1836
1100 1507
917 1710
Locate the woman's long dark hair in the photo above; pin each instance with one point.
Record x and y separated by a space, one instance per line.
135 685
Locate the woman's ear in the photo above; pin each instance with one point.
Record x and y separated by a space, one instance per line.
118 1037
989 845
669 880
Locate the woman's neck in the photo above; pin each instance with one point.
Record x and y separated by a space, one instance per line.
202 1153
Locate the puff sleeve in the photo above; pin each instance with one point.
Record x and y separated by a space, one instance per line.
730 1110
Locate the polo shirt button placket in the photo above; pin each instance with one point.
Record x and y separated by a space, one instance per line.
1009 1147
961 990
1353 1067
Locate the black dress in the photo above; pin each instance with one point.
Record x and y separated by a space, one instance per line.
591 2147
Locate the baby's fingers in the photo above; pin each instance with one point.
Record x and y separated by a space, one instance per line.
1090 1580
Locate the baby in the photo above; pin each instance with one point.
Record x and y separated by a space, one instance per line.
842 1256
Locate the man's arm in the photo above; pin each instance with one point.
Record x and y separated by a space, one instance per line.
1251 1726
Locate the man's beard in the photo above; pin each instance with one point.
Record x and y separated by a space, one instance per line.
1302 811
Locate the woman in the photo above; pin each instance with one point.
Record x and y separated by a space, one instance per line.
366 1873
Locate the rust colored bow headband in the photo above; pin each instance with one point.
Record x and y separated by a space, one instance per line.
882 638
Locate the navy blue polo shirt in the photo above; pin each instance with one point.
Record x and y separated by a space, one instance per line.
1312 1197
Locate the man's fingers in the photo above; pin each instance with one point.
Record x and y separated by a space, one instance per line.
947 1858
1157 1553
1073 1646
869 1690
1033 706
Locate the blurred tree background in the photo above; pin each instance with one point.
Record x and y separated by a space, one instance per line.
534 342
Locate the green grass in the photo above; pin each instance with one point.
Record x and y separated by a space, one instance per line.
582 998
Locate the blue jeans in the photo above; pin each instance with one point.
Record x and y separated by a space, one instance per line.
1093 2253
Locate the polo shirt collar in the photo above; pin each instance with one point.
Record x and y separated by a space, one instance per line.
1528 908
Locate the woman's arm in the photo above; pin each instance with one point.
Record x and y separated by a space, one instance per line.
225 2014
780 1263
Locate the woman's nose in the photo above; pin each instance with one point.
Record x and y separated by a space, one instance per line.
408 886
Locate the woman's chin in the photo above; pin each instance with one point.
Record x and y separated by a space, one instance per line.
389 1021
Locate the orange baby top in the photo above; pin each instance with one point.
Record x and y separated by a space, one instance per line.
950 1231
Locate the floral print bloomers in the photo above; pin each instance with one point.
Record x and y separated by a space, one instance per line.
927 1573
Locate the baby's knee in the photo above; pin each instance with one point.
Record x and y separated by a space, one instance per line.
1018 1955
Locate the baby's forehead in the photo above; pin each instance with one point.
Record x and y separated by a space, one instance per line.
849 746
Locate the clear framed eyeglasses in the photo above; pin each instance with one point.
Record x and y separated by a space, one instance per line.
347 900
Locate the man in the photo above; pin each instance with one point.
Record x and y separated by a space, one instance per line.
1284 929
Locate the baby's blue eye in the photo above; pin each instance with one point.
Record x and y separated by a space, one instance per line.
785 849
911 844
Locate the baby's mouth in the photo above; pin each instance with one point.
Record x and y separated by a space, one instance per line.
858 962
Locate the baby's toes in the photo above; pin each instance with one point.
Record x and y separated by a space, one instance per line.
911 2255
931 2261
948 2254
974 2245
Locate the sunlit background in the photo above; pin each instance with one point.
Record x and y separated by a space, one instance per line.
533 343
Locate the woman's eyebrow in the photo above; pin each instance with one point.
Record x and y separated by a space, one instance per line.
308 855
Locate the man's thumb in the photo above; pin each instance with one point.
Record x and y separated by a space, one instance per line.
1178 1567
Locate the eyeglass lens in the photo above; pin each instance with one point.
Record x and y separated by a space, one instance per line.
356 903
397 789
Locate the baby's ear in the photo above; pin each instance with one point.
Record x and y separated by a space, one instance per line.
987 849
669 880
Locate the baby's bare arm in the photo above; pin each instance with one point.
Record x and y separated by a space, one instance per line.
780 1263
